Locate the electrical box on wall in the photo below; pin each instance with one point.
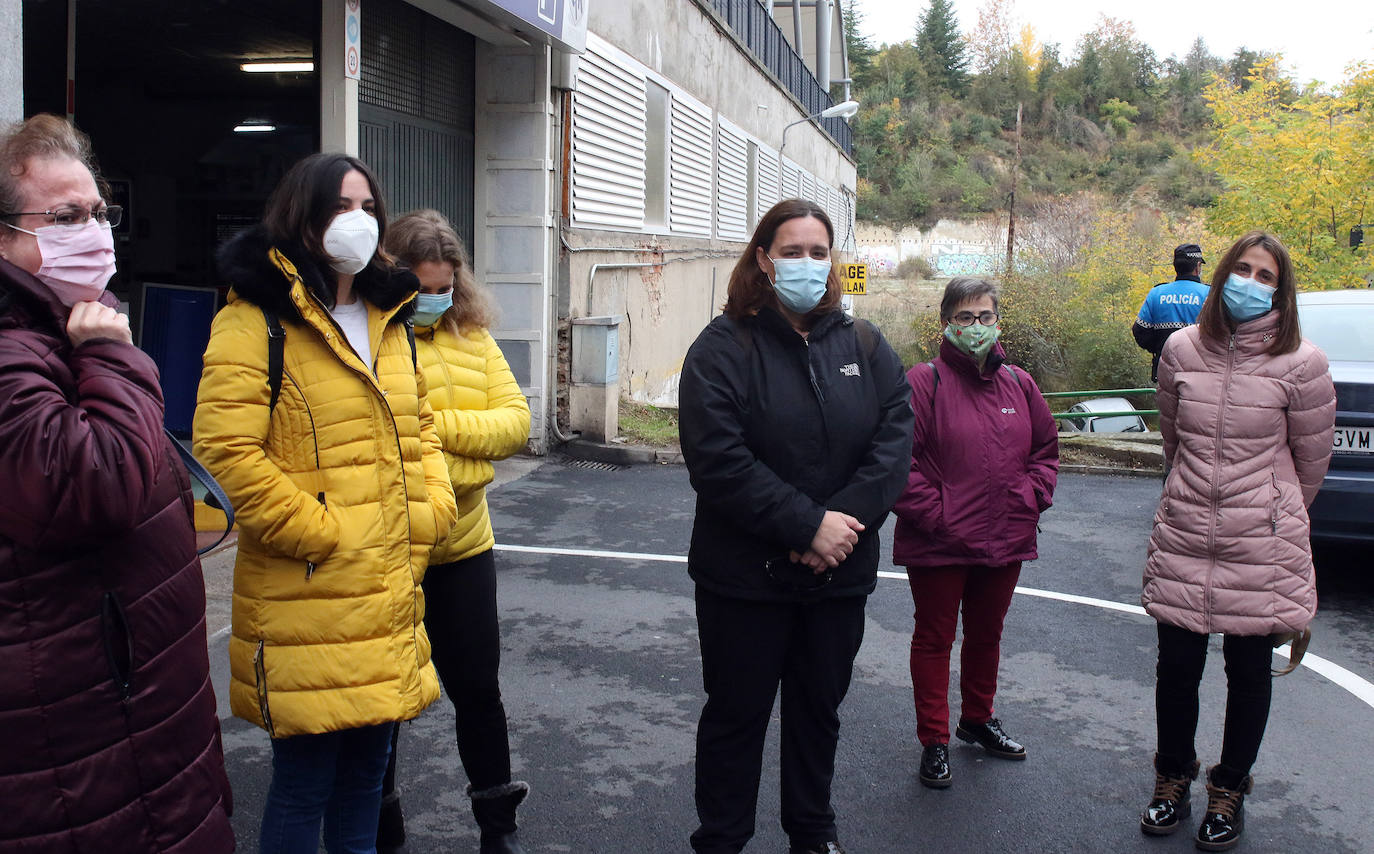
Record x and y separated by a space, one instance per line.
596 350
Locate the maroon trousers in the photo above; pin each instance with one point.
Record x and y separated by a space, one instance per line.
985 593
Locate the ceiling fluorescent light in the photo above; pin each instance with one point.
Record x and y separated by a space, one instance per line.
254 128
276 67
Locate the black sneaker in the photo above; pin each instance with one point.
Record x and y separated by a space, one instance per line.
831 847
992 737
935 771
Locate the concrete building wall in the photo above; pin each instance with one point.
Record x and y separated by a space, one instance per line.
11 61
667 287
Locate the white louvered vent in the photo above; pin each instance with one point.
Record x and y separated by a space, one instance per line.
791 181
768 192
689 203
608 144
843 220
826 198
807 187
732 184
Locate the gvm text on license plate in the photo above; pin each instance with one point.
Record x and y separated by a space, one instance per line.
1353 440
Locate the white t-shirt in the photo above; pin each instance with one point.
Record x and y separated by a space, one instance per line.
352 319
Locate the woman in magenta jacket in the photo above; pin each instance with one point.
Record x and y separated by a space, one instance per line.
1247 409
984 459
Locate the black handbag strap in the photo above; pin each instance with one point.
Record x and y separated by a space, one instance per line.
215 495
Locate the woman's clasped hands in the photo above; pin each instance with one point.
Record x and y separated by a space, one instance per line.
834 541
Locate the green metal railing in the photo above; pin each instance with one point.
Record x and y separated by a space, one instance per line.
1106 392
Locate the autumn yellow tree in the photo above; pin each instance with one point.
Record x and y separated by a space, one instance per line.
1301 169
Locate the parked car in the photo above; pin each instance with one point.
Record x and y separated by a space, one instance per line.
1341 323
1090 423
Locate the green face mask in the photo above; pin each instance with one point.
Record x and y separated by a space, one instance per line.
975 340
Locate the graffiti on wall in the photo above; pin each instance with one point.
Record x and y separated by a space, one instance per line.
881 260
965 263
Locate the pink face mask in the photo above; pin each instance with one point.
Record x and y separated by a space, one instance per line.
77 262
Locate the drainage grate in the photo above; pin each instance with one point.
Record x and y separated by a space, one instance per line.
592 465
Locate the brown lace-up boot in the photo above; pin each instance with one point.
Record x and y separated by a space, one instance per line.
1169 805
1225 819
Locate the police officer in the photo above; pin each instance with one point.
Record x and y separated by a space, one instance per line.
1172 305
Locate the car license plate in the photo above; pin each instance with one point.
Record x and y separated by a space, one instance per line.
1352 440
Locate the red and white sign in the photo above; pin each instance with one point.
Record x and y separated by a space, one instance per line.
353 38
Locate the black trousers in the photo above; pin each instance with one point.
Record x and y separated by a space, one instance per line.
747 649
465 644
1249 685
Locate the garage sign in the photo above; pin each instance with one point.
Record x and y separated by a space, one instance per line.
854 277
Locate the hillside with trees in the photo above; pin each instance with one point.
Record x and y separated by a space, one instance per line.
1122 155
936 134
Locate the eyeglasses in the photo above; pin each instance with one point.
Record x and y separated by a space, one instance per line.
76 217
966 318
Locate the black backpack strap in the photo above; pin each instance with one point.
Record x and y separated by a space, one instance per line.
215 494
868 337
1015 376
410 336
276 344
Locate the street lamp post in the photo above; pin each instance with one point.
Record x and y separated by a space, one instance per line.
842 110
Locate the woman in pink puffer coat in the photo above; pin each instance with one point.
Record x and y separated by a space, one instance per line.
1247 409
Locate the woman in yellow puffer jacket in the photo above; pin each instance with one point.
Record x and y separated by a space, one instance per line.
327 447
481 415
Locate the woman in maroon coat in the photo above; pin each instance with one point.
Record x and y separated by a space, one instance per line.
111 737
984 459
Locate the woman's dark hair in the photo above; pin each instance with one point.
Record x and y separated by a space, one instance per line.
307 199
749 288
962 289
426 235
1215 323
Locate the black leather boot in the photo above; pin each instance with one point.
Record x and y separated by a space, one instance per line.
1169 805
494 810
391 826
935 773
992 737
1225 819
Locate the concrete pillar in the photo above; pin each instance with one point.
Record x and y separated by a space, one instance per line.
338 93
824 18
515 241
11 61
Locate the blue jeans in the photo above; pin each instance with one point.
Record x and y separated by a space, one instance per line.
334 776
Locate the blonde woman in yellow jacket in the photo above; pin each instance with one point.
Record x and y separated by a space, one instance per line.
341 492
481 415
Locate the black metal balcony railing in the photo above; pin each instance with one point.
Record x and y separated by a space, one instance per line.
761 34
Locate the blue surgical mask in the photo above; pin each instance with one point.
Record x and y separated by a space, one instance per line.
800 282
430 307
1246 299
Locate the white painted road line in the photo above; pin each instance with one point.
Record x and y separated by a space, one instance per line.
1357 685
592 553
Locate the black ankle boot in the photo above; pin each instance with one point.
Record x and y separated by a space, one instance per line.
1225 819
935 773
1169 805
391 826
494 810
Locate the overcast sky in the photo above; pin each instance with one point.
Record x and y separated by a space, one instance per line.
1318 38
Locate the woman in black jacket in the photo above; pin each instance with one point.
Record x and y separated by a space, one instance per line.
796 426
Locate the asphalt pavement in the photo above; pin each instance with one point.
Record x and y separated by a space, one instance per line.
602 684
